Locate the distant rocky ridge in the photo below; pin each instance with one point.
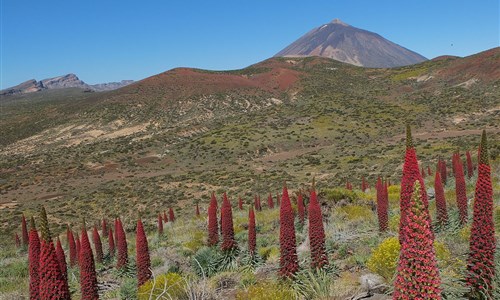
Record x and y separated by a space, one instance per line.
61 82
345 43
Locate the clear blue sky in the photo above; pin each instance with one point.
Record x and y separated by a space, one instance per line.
105 40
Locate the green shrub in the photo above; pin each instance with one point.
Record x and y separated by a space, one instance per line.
128 289
206 261
165 286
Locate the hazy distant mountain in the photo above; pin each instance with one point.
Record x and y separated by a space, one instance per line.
352 45
61 82
110 85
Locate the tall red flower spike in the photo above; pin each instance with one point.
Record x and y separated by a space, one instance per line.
411 173
240 203
121 243
142 255
460 191
160 225
52 283
104 228
316 233
171 215
481 262
270 202
252 241
71 247
444 172
228 241
278 199
34 261
197 210
289 264
165 218
423 172
88 277
99 255
300 207
61 258
213 227
417 272
442 213
429 171
382 205
111 243
24 230
470 168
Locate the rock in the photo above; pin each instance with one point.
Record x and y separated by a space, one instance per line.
372 283
431 193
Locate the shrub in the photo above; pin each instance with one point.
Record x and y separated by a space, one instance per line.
384 258
205 262
266 290
356 212
165 286
336 195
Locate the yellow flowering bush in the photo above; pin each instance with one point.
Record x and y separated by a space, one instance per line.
165 286
266 290
384 258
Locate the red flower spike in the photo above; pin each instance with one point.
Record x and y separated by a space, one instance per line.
24 231
417 272
228 241
88 277
481 260
252 241
319 259
61 258
411 173
197 211
213 227
34 261
171 215
460 191
52 283
160 225
270 202
240 204
142 255
442 213
99 255
165 217
382 205
289 264
121 243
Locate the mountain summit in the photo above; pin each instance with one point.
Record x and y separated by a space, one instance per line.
345 43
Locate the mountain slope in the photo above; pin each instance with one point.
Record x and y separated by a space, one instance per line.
342 42
171 138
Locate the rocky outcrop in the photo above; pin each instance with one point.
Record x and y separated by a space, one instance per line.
62 82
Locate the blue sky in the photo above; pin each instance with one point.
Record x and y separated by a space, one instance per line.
104 41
